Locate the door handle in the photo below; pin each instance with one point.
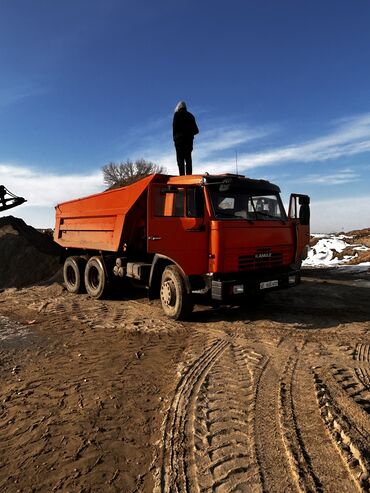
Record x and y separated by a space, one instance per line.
154 238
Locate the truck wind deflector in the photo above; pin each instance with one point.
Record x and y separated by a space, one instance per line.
8 200
229 183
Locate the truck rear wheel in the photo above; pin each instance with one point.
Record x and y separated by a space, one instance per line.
176 301
73 274
95 278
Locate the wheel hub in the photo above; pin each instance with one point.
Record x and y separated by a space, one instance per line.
168 293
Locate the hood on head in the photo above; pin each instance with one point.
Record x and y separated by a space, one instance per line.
180 106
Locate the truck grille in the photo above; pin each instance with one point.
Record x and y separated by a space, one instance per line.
262 259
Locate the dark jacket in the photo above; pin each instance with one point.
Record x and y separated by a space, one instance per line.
184 127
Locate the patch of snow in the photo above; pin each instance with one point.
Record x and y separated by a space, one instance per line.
331 235
325 252
361 248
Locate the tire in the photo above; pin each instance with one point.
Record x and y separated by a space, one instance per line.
176 301
95 278
73 274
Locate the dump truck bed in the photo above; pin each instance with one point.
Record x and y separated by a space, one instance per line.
97 222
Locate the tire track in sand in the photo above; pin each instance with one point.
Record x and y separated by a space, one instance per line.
362 354
291 440
271 426
348 429
225 453
299 458
244 422
177 469
209 430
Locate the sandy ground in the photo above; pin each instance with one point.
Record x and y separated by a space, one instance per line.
110 396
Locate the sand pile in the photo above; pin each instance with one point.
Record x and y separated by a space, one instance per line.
26 255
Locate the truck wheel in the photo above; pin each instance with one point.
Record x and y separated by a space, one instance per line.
176 301
95 278
73 274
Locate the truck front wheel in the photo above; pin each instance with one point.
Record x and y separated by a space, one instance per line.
176 301
95 278
73 274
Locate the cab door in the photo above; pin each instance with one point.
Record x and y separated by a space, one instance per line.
299 213
176 226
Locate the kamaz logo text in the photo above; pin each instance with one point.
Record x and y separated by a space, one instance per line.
263 255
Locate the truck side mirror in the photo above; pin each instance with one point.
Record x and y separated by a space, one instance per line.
304 214
304 209
304 200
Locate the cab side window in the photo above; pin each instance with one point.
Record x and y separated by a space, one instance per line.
169 204
194 202
158 203
179 202
178 205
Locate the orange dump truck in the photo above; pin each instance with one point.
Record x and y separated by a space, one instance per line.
225 236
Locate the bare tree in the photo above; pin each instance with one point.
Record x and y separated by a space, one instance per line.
127 172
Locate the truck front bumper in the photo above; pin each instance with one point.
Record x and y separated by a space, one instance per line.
252 283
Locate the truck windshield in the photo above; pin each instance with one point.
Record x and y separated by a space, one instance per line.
247 204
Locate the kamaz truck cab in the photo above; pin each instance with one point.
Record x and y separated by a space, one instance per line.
228 233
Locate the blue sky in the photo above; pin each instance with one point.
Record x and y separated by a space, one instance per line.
284 84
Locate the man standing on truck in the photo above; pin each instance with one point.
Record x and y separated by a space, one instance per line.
184 128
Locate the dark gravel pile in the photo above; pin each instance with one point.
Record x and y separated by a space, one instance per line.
27 256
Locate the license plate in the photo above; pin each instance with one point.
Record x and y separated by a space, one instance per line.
269 284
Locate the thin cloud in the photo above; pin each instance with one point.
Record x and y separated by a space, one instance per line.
14 95
226 138
46 189
214 149
350 137
210 146
8 98
11 171
340 178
